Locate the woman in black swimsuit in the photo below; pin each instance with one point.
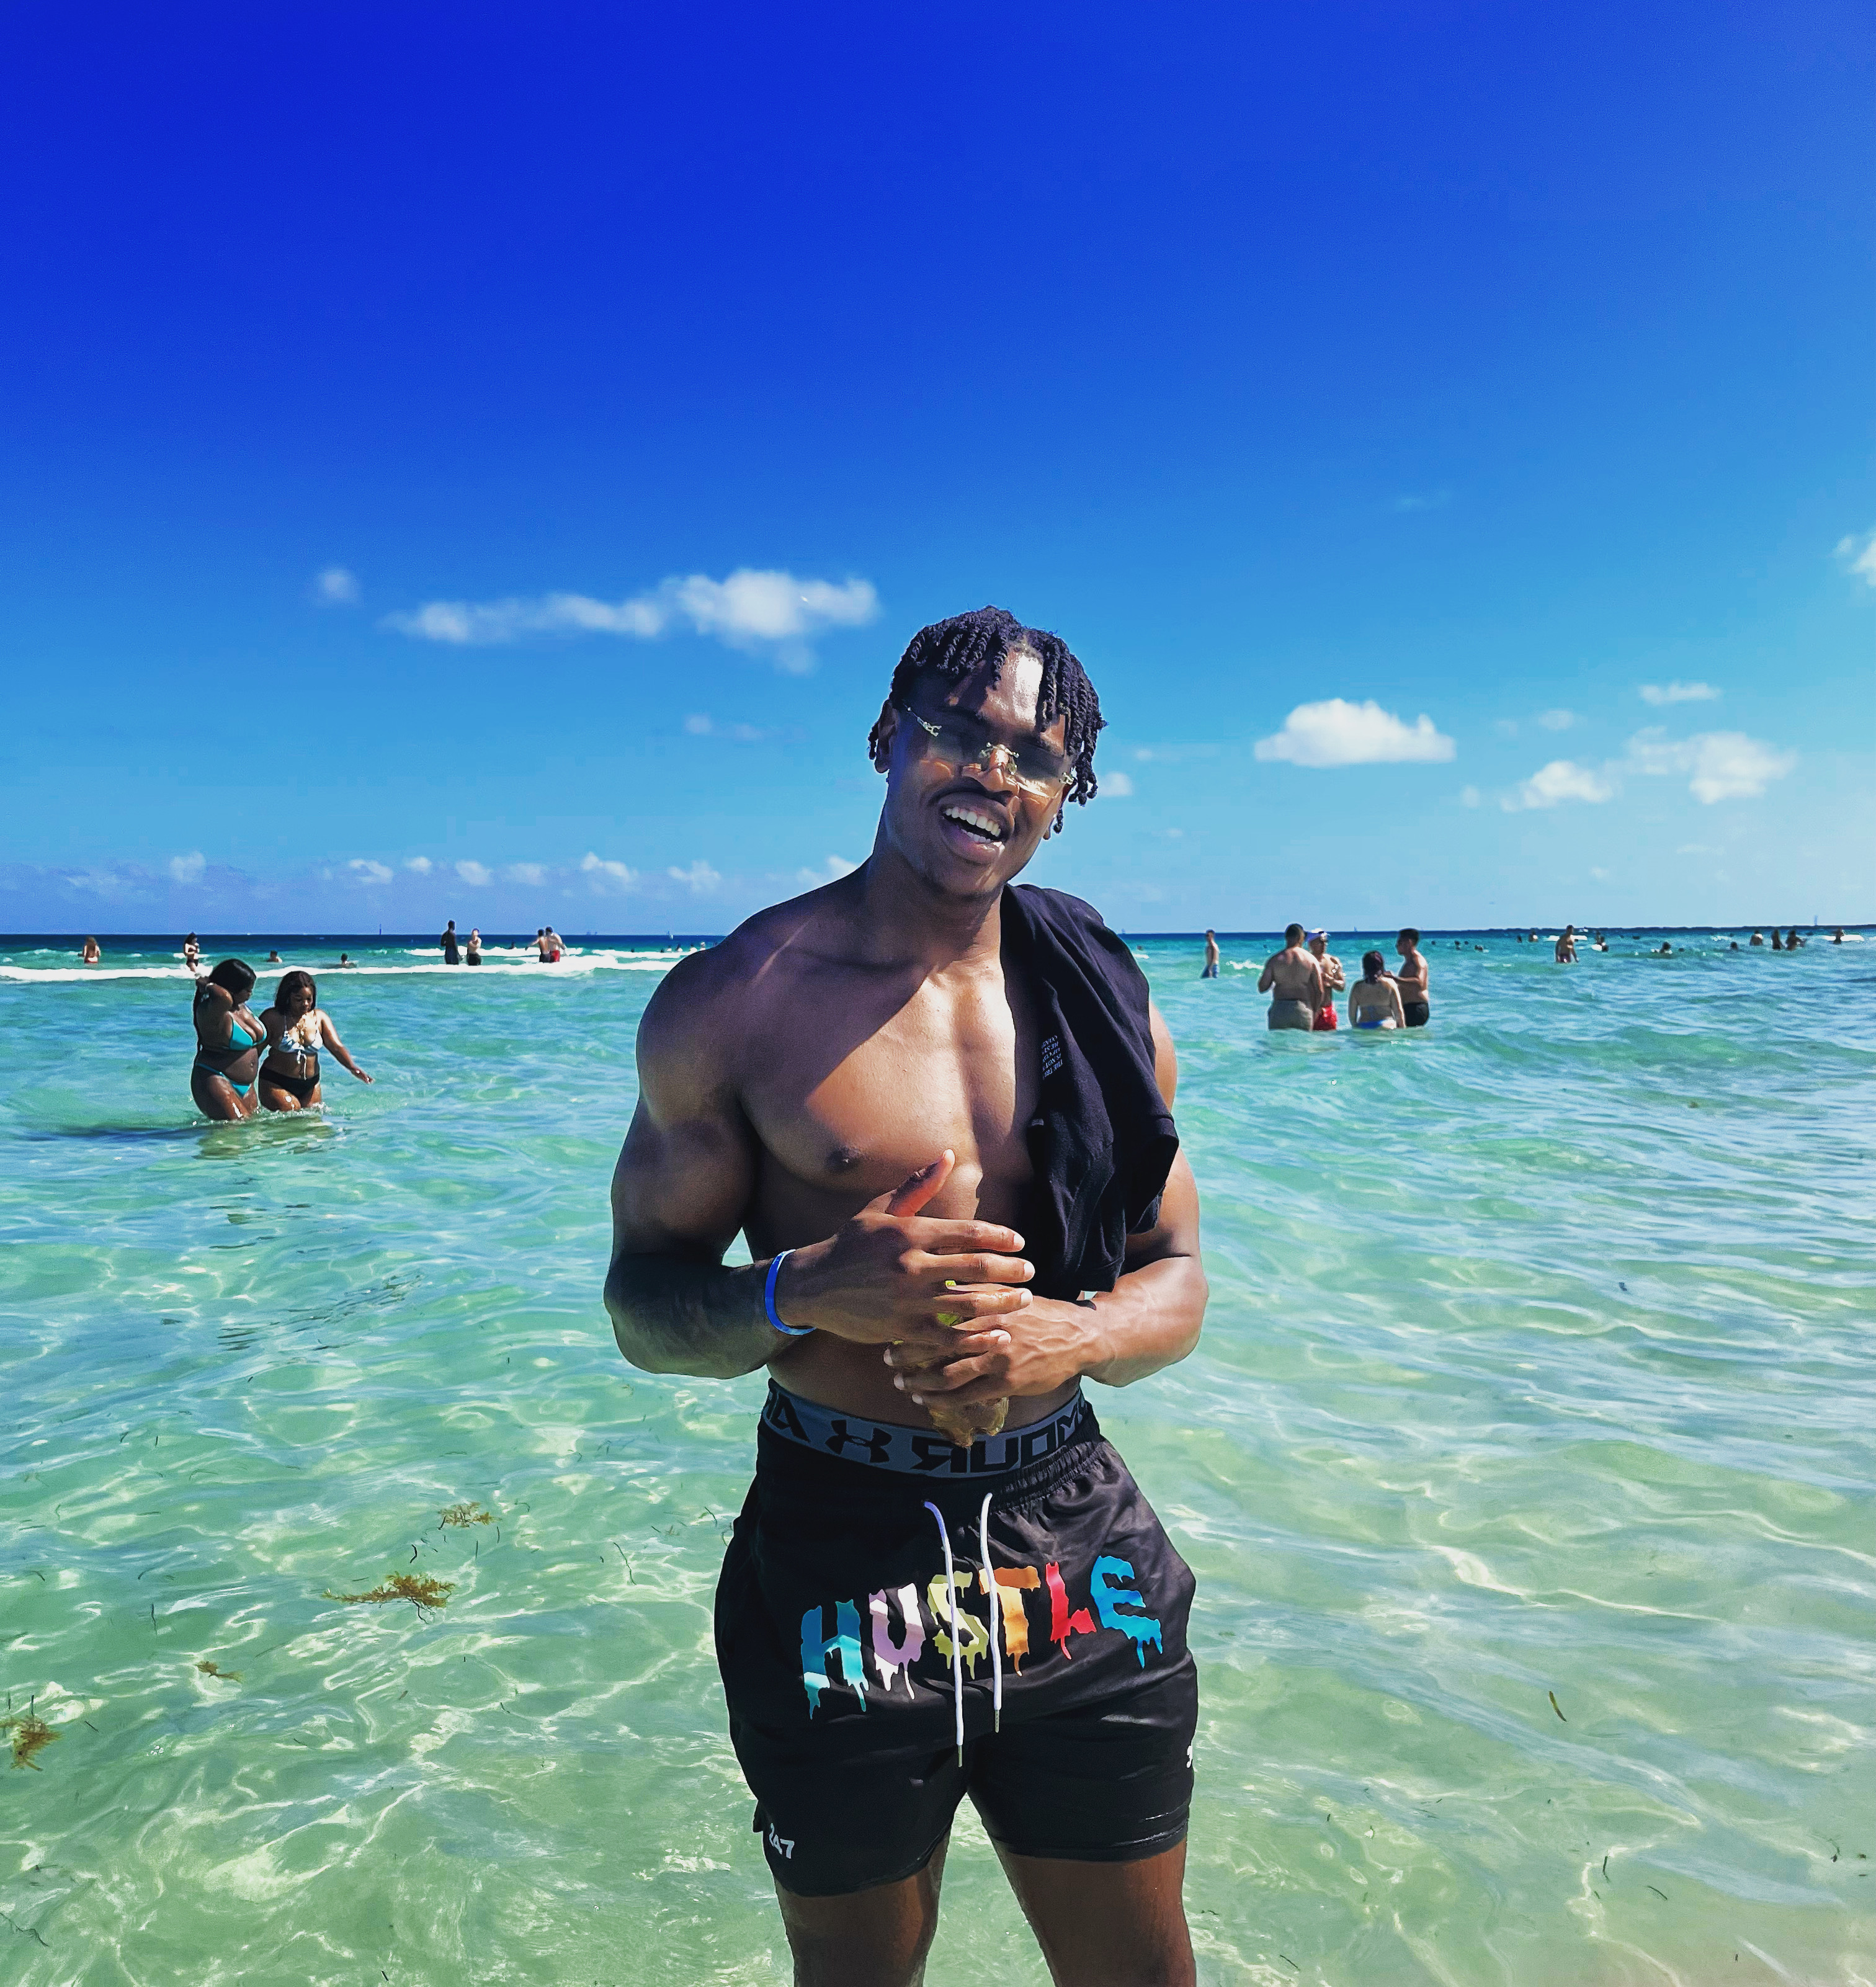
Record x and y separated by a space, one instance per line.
297 1029
228 1040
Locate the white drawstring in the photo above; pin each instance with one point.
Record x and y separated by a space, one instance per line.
957 1639
996 1607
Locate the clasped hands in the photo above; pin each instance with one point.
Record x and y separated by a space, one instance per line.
944 1300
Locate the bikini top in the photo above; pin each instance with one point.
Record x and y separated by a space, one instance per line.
292 1041
239 1042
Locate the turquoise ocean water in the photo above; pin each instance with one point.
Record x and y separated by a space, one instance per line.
1526 1466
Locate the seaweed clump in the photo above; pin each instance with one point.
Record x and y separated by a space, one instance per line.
466 1514
417 1588
31 1734
214 1669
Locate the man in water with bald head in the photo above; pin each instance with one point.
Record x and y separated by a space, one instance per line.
1294 981
939 1108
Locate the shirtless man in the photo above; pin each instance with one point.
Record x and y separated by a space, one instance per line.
1211 956
1412 979
1334 980
1566 946
1293 980
901 1088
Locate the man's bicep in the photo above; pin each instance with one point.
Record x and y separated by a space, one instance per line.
1176 1231
680 1186
688 1167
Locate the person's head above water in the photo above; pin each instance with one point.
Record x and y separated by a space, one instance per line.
297 993
1409 936
1293 934
235 976
1373 965
986 734
1318 941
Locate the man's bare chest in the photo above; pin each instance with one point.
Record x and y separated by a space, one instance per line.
852 1102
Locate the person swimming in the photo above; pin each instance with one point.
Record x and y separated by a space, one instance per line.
228 1040
191 953
1375 1000
92 957
472 952
297 1028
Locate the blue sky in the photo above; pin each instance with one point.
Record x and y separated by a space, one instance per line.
484 461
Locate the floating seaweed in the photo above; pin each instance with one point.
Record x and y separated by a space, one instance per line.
31 1734
418 1588
466 1514
215 1670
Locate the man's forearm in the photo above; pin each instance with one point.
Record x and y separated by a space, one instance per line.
670 1315
1150 1319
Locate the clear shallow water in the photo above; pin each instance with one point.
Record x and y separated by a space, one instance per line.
1539 1362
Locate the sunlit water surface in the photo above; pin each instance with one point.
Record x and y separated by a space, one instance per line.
1525 1465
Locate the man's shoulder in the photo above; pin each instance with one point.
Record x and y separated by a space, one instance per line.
708 993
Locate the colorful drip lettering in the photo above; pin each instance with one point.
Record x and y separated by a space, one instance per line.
1111 1589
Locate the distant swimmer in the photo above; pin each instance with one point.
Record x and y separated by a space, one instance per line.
92 957
1333 978
346 960
1566 946
1792 940
273 959
472 952
1411 978
1836 937
297 1029
191 953
1374 1000
551 945
1778 944
229 1041
1294 981
1211 956
1664 950
1758 938
451 956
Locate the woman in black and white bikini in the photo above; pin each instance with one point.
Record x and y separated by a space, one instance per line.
297 1029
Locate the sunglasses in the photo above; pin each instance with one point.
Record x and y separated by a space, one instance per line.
965 744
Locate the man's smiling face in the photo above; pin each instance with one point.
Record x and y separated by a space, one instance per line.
967 829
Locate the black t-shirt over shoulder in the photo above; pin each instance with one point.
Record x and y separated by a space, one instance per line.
1102 1140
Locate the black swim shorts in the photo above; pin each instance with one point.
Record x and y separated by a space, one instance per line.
852 1656
1417 1013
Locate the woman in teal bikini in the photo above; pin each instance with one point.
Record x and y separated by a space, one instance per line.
228 1040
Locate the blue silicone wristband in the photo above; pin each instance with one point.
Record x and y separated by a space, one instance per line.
768 1301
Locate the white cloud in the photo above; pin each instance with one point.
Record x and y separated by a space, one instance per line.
526 872
1601 876
366 870
1722 765
1557 720
1468 797
1860 556
830 872
771 612
598 866
1430 500
187 868
474 872
698 878
1678 692
1697 849
1561 779
336 587
421 864
1117 786
1337 732
699 725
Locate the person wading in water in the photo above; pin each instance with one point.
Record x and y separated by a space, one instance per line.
938 1107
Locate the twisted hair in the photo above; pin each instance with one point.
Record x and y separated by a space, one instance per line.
956 647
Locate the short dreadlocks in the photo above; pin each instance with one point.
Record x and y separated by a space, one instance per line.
954 648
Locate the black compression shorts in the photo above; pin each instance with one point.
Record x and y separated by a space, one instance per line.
1417 1013
835 1634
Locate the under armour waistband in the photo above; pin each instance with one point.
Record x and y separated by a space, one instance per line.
917 1452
